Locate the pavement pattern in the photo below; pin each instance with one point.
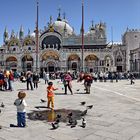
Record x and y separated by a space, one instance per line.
115 114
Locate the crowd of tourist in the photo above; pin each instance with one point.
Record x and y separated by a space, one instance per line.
7 78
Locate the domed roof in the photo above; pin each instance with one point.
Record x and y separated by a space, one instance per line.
62 25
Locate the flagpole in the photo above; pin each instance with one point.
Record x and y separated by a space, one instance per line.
82 35
37 38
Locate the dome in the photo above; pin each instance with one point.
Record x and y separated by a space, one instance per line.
60 26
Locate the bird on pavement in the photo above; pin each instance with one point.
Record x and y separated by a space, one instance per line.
43 101
54 125
89 107
83 103
70 121
58 116
2 105
83 123
78 89
70 114
74 124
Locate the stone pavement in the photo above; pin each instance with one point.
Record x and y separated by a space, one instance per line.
115 115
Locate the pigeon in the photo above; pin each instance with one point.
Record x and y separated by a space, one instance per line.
38 115
57 121
78 89
70 114
74 124
58 116
70 121
2 105
83 123
54 125
89 107
84 113
43 101
83 103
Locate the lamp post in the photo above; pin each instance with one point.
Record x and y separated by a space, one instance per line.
82 35
37 39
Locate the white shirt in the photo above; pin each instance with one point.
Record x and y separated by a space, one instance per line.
20 104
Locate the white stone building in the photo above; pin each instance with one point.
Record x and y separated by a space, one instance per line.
60 49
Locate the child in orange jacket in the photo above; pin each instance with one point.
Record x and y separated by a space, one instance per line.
50 95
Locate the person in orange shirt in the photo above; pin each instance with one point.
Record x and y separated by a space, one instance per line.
50 95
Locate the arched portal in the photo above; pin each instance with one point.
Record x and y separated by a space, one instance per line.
73 62
91 63
11 63
50 61
27 63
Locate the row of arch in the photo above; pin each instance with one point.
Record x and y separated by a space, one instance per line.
53 59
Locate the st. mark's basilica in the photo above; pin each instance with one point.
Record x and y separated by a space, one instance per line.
60 49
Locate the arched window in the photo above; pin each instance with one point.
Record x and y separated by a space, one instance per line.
29 48
119 59
14 49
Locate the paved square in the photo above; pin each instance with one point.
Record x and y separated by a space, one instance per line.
115 115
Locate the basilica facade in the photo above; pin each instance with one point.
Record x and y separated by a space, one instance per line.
60 49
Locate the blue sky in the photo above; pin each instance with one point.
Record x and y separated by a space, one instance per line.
118 14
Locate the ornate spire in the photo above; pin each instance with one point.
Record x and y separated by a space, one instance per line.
29 32
92 25
5 35
59 15
21 33
12 34
64 15
50 20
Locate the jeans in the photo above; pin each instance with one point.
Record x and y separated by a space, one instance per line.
21 120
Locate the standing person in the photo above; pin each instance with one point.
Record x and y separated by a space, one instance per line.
29 80
50 95
87 82
11 80
20 103
35 79
46 77
67 82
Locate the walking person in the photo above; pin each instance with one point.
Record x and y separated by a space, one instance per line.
132 78
50 95
67 82
20 103
35 79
